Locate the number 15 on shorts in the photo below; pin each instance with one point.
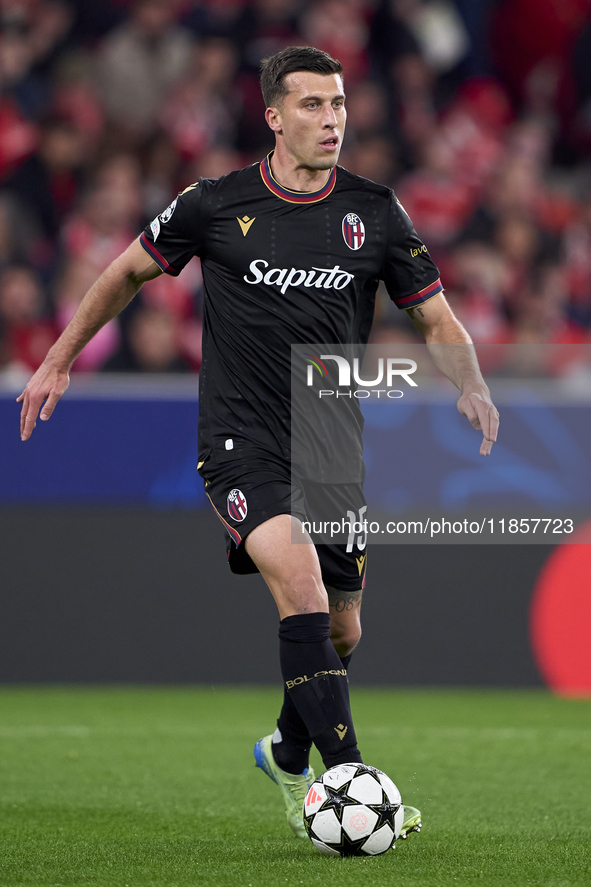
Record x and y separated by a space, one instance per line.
357 529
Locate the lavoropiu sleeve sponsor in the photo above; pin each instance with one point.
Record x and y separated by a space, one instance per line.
410 275
177 234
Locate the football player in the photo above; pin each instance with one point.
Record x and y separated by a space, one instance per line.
292 250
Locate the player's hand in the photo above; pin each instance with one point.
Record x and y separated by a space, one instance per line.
48 384
483 416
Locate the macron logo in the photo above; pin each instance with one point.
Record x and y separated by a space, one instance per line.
319 278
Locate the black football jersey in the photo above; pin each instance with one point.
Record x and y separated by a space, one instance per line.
283 267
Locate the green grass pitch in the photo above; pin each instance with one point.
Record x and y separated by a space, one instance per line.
157 786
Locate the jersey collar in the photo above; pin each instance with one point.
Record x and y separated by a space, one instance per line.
295 196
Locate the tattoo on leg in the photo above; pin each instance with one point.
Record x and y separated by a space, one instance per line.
343 601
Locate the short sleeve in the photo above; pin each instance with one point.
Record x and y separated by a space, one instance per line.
411 277
177 234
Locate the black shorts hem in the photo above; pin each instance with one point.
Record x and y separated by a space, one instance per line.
248 489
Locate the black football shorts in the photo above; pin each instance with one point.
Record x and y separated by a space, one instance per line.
247 487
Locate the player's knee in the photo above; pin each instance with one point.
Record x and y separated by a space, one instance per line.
304 593
345 638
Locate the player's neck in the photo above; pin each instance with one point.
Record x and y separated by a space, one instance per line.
287 172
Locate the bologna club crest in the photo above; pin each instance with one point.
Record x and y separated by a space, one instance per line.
237 508
353 231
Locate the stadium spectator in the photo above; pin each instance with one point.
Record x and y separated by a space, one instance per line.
202 111
47 183
217 162
263 27
108 214
367 111
524 53
181 298
340 27
474 127
161 172
413 105
137 64
25 329
18 236
577 247
152 346
374 158
437 198
541 316
76 97
478 282
32 35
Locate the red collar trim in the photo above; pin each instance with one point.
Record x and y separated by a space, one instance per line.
295 196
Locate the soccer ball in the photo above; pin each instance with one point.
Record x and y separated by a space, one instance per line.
353 810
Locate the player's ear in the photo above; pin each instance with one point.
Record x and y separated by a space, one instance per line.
273 118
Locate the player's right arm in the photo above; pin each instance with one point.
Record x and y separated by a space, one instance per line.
106 298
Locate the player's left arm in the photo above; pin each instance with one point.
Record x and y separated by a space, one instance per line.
453 352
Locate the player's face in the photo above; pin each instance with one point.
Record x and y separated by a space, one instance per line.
311 119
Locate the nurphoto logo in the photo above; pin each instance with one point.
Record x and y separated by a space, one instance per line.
390 371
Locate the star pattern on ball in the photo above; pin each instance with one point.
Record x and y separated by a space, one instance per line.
347 847
337 799
386 813
356 818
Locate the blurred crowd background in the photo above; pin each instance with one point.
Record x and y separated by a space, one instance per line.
477 113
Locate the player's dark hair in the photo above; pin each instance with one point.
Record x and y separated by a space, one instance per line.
275 69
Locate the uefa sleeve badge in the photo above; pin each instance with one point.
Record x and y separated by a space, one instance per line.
167 214
353 231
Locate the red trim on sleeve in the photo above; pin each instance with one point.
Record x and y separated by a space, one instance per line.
158 258
426 293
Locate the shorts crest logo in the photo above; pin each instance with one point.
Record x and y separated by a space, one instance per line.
353 231
237 507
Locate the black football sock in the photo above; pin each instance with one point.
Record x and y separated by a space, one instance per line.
291 741
316 683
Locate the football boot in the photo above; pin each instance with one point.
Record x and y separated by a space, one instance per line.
294 787
411 821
